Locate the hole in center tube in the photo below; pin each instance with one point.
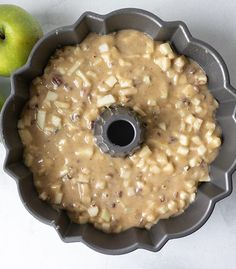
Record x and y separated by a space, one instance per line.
120 133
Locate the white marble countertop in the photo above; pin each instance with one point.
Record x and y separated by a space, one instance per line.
27 243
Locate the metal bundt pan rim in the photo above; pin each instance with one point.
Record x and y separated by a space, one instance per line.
134 238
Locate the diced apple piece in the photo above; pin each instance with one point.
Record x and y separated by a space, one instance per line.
189 91
162 126
86 82
105 215
124 173
151 102
200 79
97 61
163 209
172 205
130 191
124 83
128 91
145 152
74 67
106 100
198 109
107 59
194 162
20 124
183 195
83 178
124 63
41 116
164 92
210 125
154 169
111 81
147 80
201 150
103 48
85 152
190 119
163 62
196 140
197 124
51 96
91 74
183 140
101 184
169 168
166 50
59 104
56 121
93 211
179 63
43 196
196 101
103 88
149 46
139 110
28 159
183 150
58 198
214 142
205 179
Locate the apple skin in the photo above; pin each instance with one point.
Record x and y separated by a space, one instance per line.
19 31
2 100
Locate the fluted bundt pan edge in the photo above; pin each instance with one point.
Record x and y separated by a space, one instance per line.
221 169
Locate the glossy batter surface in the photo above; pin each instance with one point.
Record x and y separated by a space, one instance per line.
170 94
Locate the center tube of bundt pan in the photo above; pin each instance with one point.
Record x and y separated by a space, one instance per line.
119 131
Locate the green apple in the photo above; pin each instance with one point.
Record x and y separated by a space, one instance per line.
19 31
2 100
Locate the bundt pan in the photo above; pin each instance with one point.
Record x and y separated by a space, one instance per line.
221 169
